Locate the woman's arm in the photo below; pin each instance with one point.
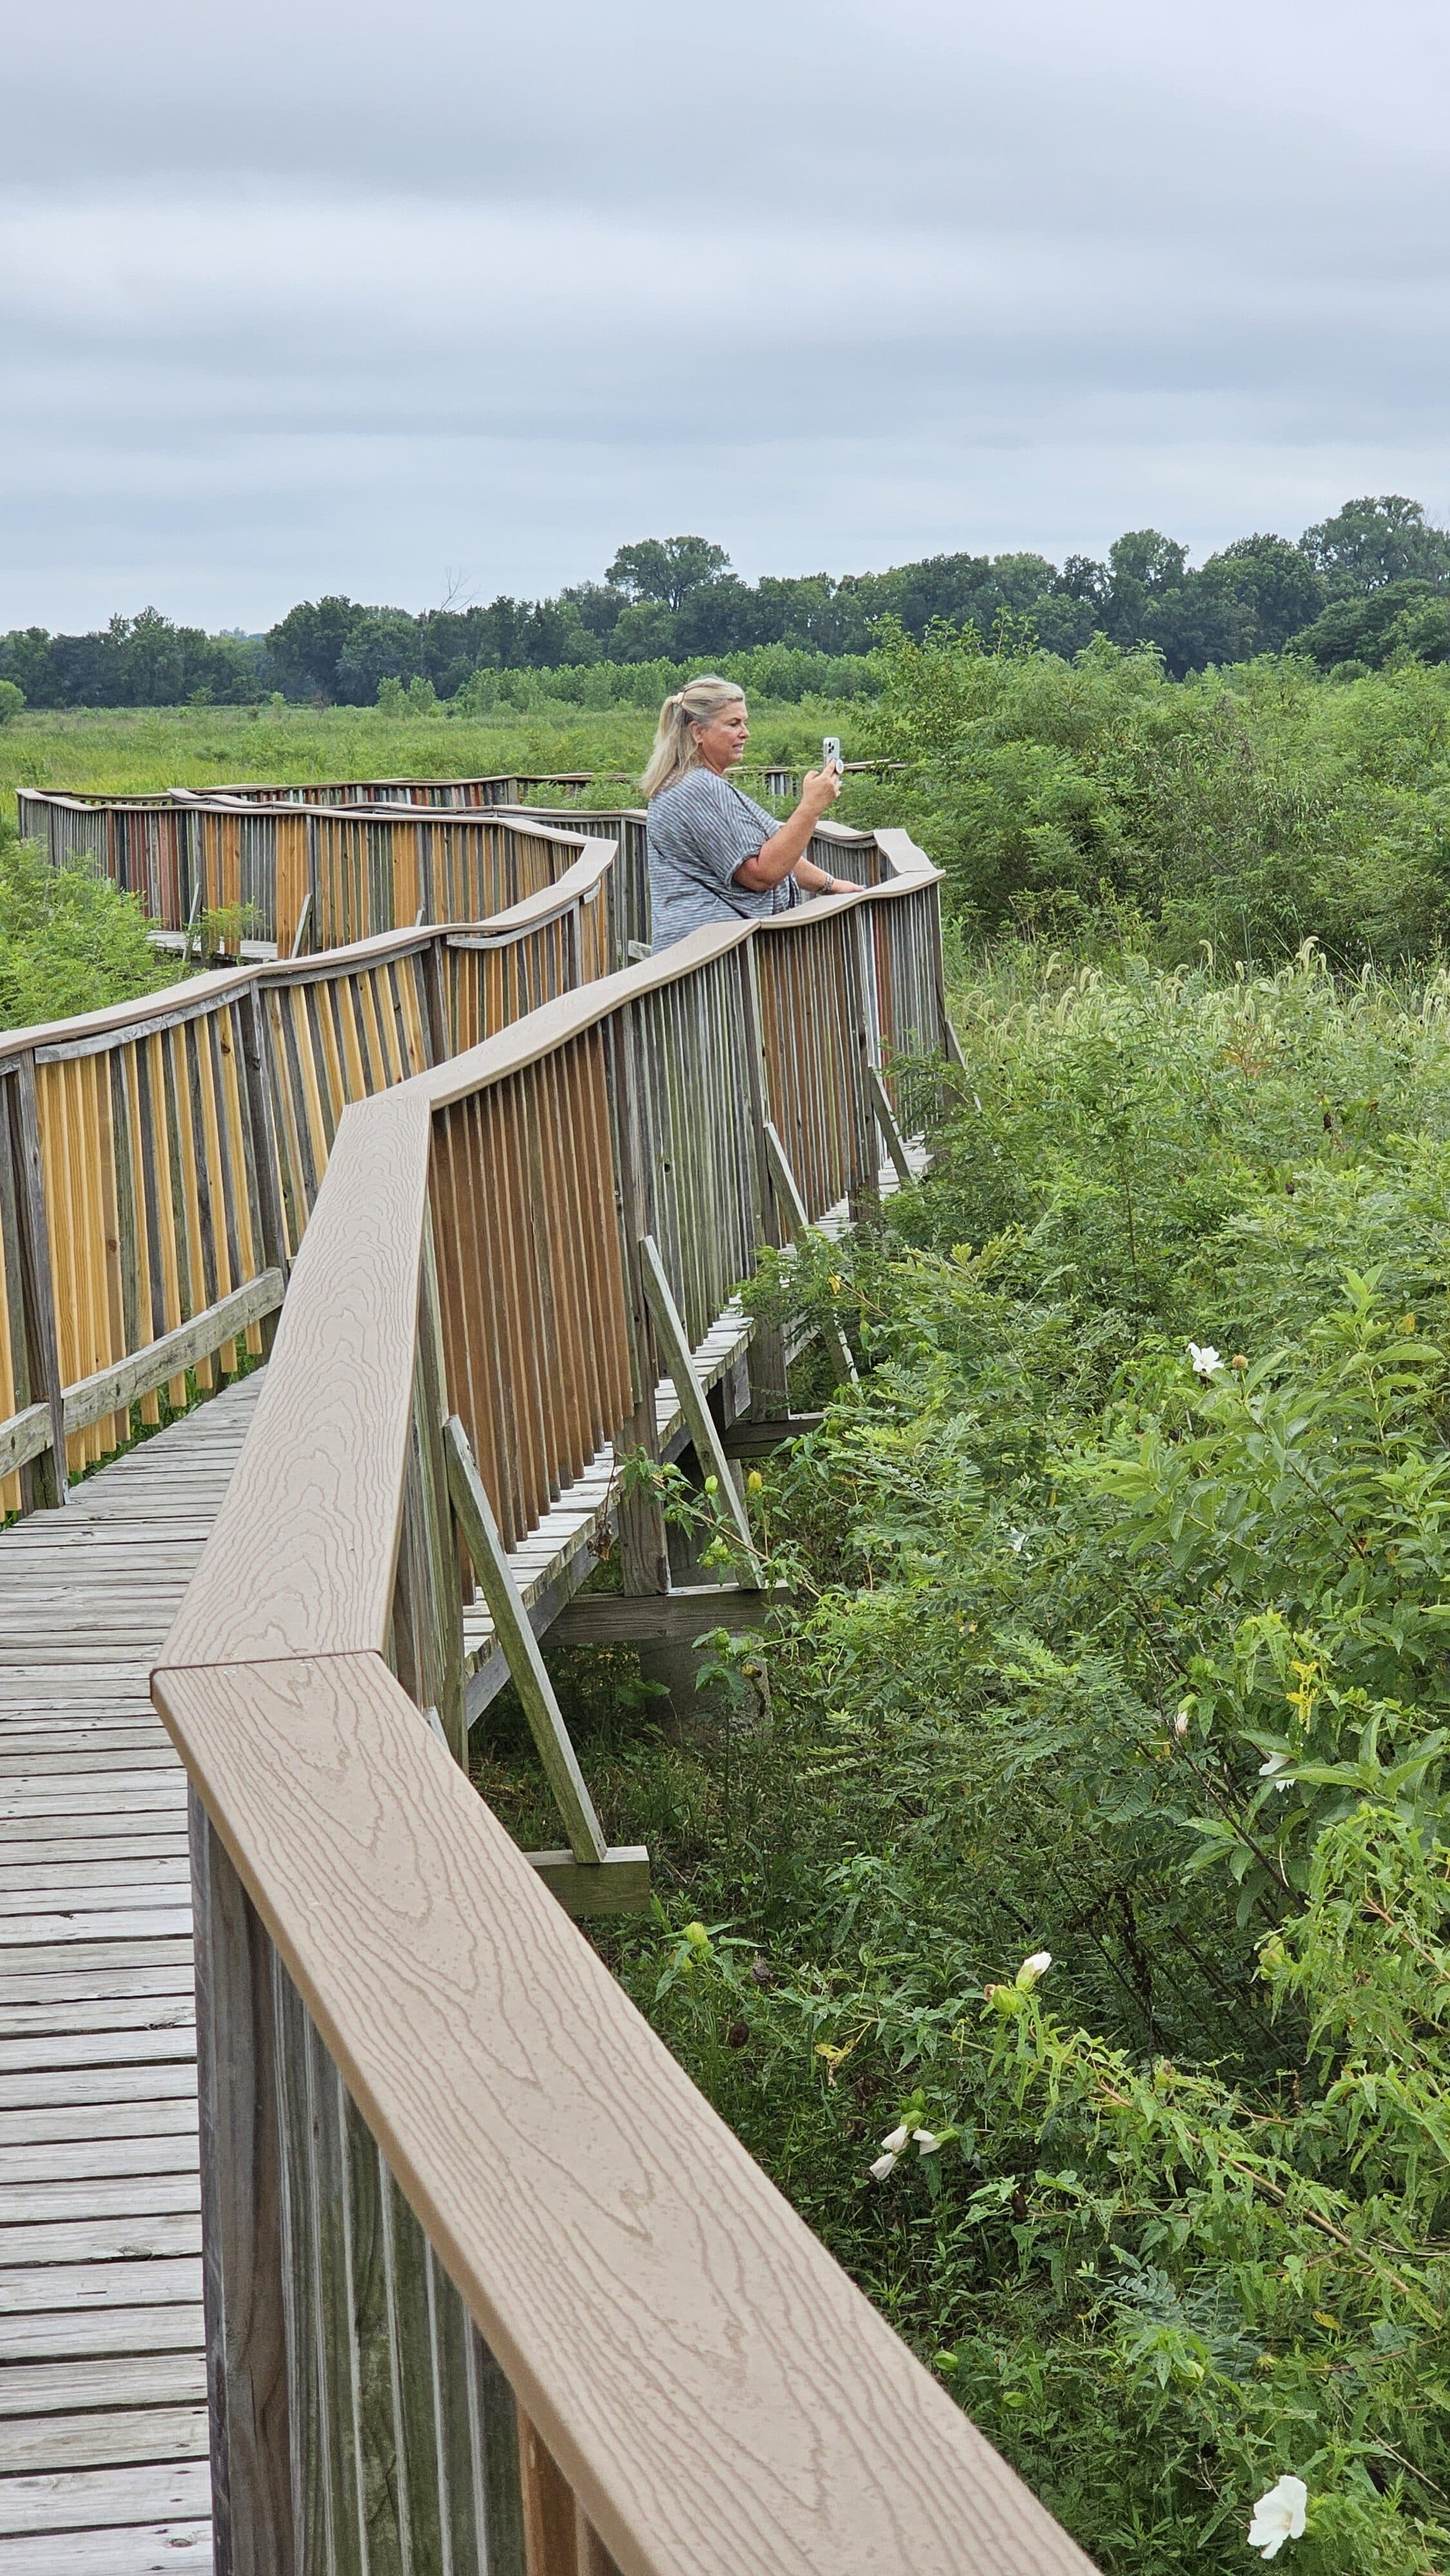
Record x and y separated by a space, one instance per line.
783 853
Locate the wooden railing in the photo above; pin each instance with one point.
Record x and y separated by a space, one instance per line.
71 823
159 1160
308 876
324 873
459 794
488 2284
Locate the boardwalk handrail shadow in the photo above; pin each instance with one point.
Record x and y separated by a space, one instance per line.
489 2285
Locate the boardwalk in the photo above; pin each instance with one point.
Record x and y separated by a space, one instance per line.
103 2467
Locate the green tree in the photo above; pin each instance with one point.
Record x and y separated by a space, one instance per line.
12 699
382 644
306 646
1362 626
1371 542
666 569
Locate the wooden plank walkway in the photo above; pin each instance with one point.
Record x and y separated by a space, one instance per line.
103 2427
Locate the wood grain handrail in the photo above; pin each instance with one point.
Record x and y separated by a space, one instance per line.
579 882
352 1309
720 2397
250 797
197 992
159 1156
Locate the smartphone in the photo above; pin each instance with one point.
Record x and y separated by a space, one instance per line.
831 752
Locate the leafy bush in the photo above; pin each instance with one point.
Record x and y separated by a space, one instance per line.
68 942
1125 1575
1097 799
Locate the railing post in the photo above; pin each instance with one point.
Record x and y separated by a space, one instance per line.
428 1607
865 1190
243 2259
262 1127
643 1541
435 995
769 1379
42 1351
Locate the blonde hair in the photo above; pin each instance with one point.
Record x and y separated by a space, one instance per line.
675 749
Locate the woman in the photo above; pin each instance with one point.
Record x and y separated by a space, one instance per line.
715 855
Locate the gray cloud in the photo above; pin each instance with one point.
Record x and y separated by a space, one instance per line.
316 298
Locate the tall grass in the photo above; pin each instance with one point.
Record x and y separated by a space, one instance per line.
137 752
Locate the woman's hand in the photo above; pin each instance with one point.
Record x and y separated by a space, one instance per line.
786 848
819 790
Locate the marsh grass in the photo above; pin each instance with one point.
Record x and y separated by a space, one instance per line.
138 752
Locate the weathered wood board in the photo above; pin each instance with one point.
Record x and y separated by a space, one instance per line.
103 2427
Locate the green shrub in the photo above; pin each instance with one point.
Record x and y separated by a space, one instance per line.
1125 1573
68 942
1247 810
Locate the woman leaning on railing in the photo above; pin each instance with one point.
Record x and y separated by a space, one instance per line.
714 854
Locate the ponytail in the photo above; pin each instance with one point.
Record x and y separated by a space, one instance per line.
676 751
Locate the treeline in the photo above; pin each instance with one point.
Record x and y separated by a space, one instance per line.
1355 589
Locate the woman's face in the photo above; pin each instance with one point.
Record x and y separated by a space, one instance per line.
722 741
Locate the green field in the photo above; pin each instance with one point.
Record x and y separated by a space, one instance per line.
120 751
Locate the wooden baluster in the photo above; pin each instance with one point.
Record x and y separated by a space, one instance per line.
559 2539
864 1154
47 1473
643 1540
242 2255
441 1541
769 1379
442 1038
264 1158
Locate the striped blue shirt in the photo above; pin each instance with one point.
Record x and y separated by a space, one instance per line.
700 831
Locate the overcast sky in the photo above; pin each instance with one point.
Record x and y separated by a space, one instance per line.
343 295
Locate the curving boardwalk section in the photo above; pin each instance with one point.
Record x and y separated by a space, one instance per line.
103 2423
486 2286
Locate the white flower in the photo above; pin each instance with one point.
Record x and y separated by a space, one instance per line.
1180 1724
885 2164
1035 1967
1017 1540
1206 1360
1276 1762
925 2140
1279 2516
896 2140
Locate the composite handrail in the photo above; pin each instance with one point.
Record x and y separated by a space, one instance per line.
159 1158
489 2285
307 874
501 789
339 862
